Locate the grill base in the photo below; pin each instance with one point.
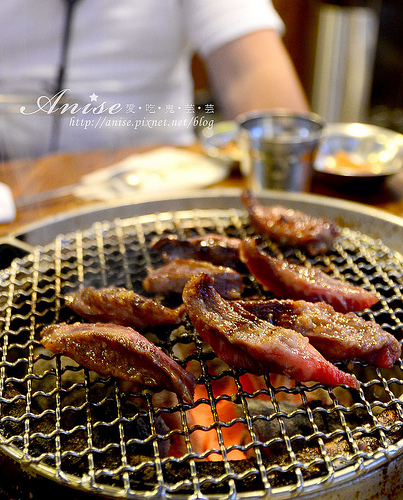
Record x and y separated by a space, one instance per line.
98 442
380 484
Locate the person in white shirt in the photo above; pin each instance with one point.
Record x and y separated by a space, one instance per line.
104 74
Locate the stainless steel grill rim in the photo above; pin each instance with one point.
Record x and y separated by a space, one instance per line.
116 253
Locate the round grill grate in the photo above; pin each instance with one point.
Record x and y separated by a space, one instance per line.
80 429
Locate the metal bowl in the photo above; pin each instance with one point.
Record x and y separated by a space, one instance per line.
357 151
279 148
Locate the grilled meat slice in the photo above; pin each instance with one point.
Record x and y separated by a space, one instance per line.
119 351
243 340
215 248
293 281
335 335
123 307
290 227
173 276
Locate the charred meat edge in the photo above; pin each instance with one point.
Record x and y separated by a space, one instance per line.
243 340
211 247
293 281
123 307
290 227
335 335
119 351
173 276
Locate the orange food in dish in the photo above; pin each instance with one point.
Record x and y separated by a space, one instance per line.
343 161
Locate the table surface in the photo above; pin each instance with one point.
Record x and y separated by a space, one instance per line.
27 177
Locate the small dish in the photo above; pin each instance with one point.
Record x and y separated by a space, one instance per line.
220 141
351 152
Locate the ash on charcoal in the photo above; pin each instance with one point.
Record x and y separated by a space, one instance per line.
294 421
14 406
78 409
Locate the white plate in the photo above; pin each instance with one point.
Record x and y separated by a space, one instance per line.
162 170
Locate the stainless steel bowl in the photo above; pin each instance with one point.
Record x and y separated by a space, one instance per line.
279 148
357 151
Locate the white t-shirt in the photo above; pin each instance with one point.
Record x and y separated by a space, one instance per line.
128 80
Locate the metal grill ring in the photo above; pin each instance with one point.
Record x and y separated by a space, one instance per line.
79 429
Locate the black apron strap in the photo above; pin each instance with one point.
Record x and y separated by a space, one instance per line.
61 74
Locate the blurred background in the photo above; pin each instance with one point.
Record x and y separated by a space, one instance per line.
349 57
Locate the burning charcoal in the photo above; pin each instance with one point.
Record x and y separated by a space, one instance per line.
101 393
294 417
266 423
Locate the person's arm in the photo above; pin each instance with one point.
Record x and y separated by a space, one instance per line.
255 72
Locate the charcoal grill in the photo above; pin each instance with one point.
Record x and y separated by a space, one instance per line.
65 427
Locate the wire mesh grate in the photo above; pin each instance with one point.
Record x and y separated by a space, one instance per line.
244 434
